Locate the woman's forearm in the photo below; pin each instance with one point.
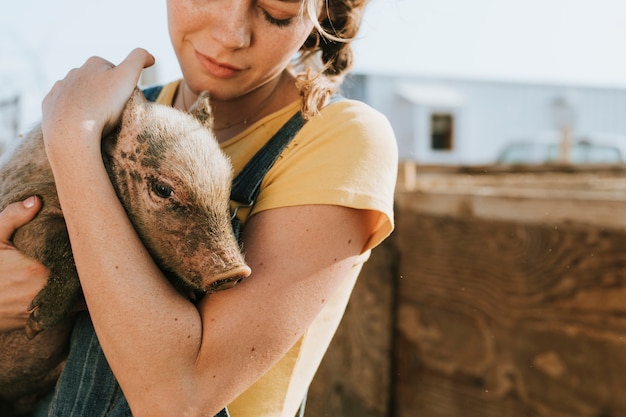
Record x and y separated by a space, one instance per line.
147 330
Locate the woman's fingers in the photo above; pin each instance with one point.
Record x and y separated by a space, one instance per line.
16 215
87 104
134 63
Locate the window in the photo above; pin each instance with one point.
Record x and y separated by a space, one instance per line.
441 131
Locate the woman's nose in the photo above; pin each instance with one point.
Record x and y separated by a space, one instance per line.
231 26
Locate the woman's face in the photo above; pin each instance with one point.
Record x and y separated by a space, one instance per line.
232 47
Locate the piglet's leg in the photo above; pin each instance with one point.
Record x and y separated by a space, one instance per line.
58 297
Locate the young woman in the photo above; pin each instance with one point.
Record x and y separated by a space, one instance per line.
322 207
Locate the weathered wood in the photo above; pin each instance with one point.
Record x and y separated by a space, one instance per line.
509 317
354 379
586 198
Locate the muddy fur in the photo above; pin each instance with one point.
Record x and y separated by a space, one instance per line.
174 183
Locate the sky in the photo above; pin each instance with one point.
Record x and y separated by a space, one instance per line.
547 41
564 41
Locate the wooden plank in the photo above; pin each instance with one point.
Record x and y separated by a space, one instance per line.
547 210
590 198
509 317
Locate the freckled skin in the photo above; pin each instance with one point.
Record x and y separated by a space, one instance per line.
188 233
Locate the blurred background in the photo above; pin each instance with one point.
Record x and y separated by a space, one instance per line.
461 81
502 291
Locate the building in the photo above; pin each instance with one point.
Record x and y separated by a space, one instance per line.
467 122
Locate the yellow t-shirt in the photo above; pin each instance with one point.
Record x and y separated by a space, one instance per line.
346 156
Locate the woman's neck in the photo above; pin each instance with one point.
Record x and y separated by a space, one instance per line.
232 117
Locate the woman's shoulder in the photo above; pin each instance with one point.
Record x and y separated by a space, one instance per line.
350 123
347 138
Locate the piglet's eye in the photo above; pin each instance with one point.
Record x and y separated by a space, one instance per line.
162 190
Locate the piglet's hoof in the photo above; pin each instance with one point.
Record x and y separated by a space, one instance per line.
33 326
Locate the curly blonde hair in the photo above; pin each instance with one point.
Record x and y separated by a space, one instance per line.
326 55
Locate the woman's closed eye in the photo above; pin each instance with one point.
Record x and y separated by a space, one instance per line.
275 21
279 13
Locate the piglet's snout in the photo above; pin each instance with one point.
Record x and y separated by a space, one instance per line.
229 278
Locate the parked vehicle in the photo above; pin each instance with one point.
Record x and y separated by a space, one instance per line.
540 152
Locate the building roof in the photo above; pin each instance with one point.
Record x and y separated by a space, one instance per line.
430 95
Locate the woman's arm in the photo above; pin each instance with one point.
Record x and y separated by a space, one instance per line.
169 356
21 277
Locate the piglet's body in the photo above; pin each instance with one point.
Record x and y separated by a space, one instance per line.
174 182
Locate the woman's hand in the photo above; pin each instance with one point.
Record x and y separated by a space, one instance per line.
88 103
21 277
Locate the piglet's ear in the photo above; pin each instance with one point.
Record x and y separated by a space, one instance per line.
136 105
133 116
201 110
134 111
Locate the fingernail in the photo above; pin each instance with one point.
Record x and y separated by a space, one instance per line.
30 202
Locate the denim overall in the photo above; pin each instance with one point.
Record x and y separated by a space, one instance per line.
87 387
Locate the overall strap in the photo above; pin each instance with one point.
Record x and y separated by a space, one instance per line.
247 183
152 93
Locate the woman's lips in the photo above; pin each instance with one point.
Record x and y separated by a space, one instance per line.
217 69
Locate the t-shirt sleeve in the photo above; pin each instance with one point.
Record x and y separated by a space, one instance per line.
347 156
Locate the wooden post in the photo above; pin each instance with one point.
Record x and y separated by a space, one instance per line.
565 144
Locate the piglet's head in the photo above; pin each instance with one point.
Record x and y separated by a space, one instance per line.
174 182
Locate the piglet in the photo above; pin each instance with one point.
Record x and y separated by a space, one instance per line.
174 183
